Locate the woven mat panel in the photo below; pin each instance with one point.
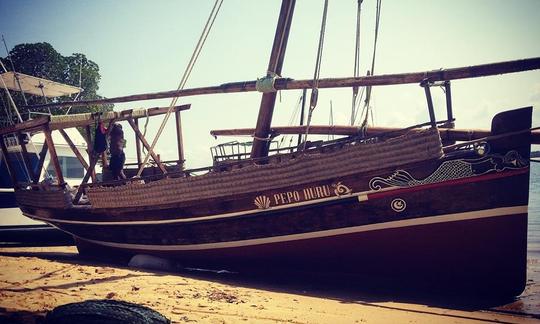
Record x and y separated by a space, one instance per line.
46 199
412 147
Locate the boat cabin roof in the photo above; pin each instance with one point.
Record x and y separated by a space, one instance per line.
37 86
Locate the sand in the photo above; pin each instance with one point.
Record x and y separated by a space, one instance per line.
35 280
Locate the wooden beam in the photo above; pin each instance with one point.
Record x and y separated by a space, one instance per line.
42 156
118 117
468 72
179 140
54 157
76 152
138 145
146 145
91 167
446 133
25 126
268 100
9 164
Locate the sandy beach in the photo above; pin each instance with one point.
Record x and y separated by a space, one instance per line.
35 280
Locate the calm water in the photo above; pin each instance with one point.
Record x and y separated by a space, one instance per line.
533 240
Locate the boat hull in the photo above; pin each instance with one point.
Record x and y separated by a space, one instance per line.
481 256
465 234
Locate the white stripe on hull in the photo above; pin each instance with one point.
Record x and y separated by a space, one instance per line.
487 213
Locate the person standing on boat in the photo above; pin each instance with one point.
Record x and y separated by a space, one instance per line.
116 147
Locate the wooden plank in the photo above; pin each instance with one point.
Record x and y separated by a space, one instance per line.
54 157
146 145
468 72
9 164
24 126
179 140
42 156
26 157
275 64
446 134
76 152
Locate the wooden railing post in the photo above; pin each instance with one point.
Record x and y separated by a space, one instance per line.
42 156
54 157
179 140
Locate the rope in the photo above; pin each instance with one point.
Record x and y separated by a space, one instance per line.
316 74
9 94
14 72
187 72
372 71
356 62
293 117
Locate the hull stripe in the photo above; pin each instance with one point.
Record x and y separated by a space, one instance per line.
479 214
360 196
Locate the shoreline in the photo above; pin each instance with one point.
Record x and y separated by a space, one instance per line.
35 280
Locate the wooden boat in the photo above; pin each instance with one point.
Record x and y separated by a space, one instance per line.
396 204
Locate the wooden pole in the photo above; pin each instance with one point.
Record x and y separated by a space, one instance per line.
146 145
474 71
266 110
138 145
76 152
304 91
179 140
54 157
91 168
26 158
42 156
431 109
5 154
449 112
446 134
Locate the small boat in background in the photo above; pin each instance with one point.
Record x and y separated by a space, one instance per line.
34 144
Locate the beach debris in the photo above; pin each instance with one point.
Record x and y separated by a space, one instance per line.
218 295
104 311
151 262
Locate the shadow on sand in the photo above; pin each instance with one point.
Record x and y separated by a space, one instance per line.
345 289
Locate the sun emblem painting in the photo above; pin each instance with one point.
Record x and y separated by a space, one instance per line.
262 202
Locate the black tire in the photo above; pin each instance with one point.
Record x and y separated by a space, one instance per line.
104 312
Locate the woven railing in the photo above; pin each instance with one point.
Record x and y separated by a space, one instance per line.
43 198
409 148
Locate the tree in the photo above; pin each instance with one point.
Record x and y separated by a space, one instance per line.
42 60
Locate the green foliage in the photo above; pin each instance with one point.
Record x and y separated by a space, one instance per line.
42 60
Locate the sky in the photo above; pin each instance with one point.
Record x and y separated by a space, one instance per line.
144 46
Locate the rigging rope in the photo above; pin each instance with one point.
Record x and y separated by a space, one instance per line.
293 117
316 74
356 63
372 71
187 72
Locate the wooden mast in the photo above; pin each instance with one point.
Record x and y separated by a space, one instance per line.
467 72
260 144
